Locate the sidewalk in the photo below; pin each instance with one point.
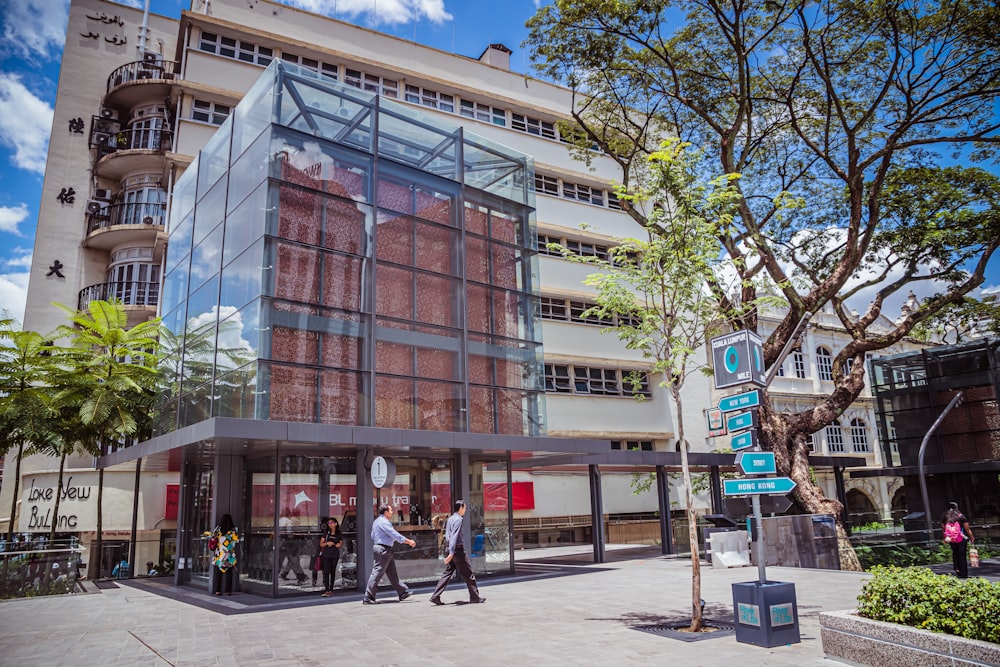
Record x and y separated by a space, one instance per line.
558 611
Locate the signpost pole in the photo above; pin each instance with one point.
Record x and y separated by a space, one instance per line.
758 529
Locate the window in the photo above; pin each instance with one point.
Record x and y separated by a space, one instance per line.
312 65
562 379
633 445
848 365
371 83
209 112
548 185
799 363
534 126
429 98
835 438
237 49
543 245
483 112
614 203
554 309
781 371
583 193
557 379
824 364
859 437
577 310
586 249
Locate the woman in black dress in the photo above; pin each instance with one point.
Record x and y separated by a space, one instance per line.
329 546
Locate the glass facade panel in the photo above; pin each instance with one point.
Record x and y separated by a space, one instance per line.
214 159
296 337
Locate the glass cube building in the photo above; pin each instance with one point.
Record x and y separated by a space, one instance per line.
337 258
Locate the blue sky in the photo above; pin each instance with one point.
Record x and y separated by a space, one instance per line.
33 32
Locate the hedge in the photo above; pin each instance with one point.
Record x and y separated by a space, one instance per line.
917 597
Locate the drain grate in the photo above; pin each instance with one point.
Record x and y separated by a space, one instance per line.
676 630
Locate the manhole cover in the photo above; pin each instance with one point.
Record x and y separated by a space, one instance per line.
679 630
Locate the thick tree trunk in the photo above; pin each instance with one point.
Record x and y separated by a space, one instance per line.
793 460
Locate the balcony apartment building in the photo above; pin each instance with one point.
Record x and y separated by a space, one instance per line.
315 370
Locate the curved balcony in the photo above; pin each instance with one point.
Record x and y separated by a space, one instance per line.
133 293
135 139
138 81
120 223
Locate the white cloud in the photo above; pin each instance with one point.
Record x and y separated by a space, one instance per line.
25 123
14 284
11 217
390 12
34 28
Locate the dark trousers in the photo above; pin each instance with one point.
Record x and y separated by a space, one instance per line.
222 582
330 569
289 552
385 564
459 563
958 558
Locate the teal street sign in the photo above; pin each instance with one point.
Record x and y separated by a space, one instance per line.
748 399
738 358
758 486
741 421
744 440
757 463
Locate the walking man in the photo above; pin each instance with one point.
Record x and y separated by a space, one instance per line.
383 537
457 558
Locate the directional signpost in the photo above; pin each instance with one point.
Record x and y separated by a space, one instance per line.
765 610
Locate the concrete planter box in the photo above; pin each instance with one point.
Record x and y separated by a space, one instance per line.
848 637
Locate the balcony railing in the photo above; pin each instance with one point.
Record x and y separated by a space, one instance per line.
135 139
132 293
126 214
142 71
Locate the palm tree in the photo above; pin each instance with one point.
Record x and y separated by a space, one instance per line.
25 411
111 380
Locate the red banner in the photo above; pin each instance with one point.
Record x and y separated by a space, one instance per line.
173 501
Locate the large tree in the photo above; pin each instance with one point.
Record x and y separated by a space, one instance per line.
834 114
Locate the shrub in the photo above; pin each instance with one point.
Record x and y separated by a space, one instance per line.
919 598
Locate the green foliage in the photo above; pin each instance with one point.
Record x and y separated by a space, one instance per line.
871 526
919 598
901 555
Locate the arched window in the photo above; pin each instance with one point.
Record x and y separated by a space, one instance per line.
859 436
824 363
835 438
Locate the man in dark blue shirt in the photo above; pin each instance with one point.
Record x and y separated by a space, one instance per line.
457 558
384 535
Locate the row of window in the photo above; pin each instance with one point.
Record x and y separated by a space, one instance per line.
238 49
633 445
571 310
584 248
824 364
565 379
835 437
550 185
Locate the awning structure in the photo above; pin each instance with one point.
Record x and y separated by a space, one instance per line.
254 437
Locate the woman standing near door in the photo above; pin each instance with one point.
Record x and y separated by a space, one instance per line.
329 546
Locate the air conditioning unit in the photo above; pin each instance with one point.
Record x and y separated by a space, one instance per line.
102 194
144 74
109 114
96 207
106 126
151 58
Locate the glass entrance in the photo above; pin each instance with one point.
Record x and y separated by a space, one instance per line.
202 477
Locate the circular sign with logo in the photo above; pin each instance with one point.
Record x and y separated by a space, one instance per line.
380 472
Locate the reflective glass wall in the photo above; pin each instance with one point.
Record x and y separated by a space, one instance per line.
338 258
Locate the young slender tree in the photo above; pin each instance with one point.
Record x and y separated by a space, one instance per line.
827 110
654 291
111 383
